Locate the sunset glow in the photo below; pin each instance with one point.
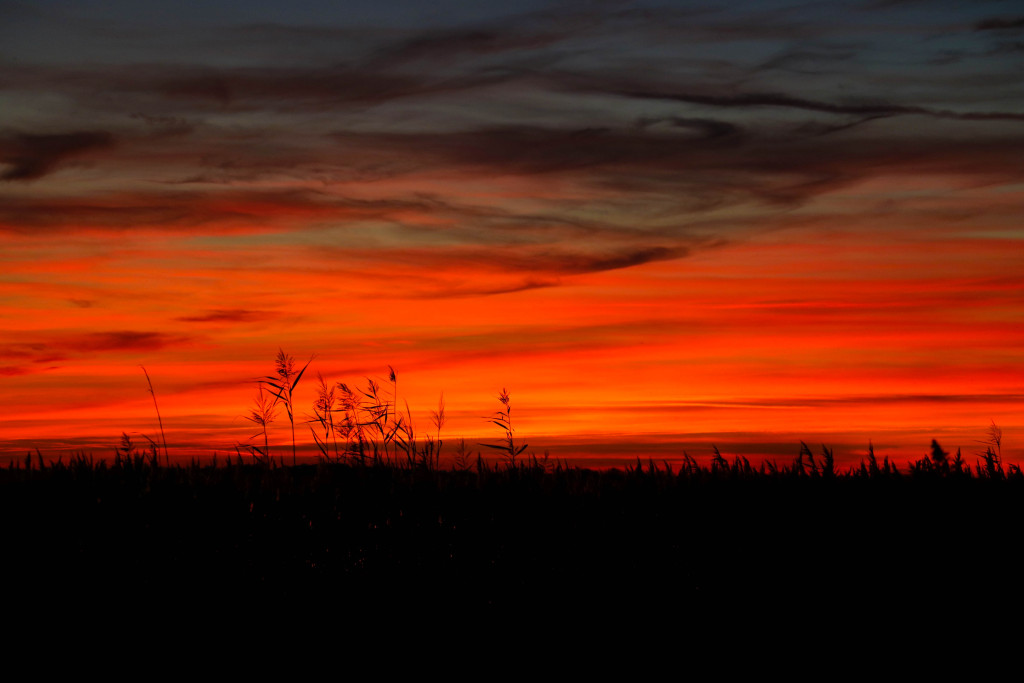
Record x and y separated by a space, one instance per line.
659 226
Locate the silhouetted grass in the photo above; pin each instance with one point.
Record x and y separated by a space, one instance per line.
378 526
506 536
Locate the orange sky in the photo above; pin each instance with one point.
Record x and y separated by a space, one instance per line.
651 257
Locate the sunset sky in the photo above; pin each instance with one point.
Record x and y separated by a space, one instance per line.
659 225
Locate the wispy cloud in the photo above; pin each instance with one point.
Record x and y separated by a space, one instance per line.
179 88
445 290
58 348
445 45
1000 24
611 86
228 315
126 340
30 157
209 205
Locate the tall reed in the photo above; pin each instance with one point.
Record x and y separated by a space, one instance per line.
323 414
163 437
263 414
283 387
503 419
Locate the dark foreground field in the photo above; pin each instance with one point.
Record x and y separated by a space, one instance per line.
725 541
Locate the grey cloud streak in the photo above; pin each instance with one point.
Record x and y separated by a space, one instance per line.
32 156
1000 24
656 183
586 83
59 348
648 135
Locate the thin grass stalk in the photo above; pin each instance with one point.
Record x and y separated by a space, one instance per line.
438 418
262 415
393 378
323 408
163 437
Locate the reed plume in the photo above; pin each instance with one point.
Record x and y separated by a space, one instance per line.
283 387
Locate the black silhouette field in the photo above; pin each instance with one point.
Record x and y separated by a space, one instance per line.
719 542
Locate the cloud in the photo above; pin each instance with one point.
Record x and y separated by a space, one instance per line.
648 150
455 291
536 149
450 44
998 24
649 183
570 263
206 207
226 315
707 129
58 346
62 348
776 99
813 402
547 260
166 126
810 59
146 87
373 66
126 340
34 156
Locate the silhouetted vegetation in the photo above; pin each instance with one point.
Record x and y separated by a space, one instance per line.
381 524
364 535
